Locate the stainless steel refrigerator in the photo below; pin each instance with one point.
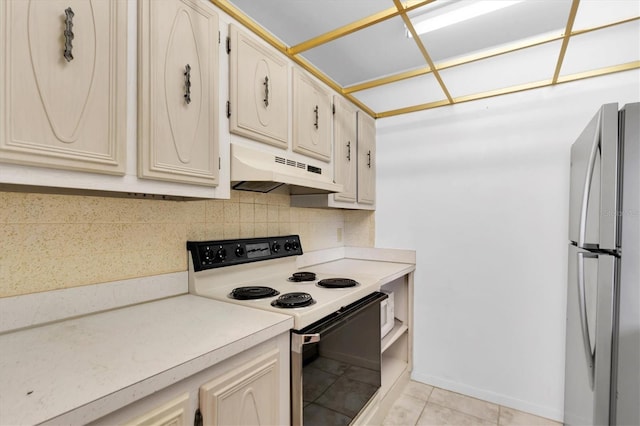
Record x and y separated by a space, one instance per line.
602 363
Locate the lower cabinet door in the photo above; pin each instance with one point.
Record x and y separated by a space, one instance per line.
246 395
172 413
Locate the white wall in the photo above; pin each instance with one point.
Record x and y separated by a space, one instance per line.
480 190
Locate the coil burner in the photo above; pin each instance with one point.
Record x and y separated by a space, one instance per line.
254 292
293 300
302 276
337 283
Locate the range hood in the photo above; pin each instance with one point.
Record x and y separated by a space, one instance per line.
262 171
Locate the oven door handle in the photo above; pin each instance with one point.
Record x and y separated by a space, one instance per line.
310 338
299 340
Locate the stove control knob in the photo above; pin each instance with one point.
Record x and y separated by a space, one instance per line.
287 246
240 251
221 254
208 255
275 247
295 245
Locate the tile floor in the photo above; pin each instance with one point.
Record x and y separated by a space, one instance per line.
423 405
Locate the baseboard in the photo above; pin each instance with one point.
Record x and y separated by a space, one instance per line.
485 395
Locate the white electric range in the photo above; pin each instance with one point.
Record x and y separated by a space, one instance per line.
220 269
336 329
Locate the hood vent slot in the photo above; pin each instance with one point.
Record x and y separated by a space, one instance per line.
293 163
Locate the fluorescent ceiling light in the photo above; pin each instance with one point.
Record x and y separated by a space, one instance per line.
426 23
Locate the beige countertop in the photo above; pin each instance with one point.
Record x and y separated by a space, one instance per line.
79 369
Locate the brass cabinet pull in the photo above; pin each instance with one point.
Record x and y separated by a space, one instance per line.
187 84
316 122
369 159
266 91
68 34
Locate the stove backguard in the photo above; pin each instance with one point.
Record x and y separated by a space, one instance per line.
220 253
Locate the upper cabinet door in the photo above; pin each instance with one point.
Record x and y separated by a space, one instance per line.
178 91
311 117
345 144
259 91
63 68
366 159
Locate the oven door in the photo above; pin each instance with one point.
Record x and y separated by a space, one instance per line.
335 364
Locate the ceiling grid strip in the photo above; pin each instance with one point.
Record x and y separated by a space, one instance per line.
566 38
354 26
387 80
514 89
423 49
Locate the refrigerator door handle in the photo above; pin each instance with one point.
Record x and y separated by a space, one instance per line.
583 318
586 193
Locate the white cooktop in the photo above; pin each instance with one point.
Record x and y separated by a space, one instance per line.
218 283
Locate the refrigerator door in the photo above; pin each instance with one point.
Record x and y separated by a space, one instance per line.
628 393
590 332
594 194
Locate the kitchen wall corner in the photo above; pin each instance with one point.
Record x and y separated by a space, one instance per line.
50 241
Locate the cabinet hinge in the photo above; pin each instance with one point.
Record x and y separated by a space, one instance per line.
228 45
218 37
228 109
219 163
333 109
197 420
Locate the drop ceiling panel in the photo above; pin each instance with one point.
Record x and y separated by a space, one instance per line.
511 69
376 51
594 13
412 91
295 21
518 22
598 49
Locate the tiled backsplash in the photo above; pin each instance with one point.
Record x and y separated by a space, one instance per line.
51 241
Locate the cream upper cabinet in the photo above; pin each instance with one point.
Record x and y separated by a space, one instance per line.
259 91
63 67
366 159
246 395
345 148
354 161
178 91
311 117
